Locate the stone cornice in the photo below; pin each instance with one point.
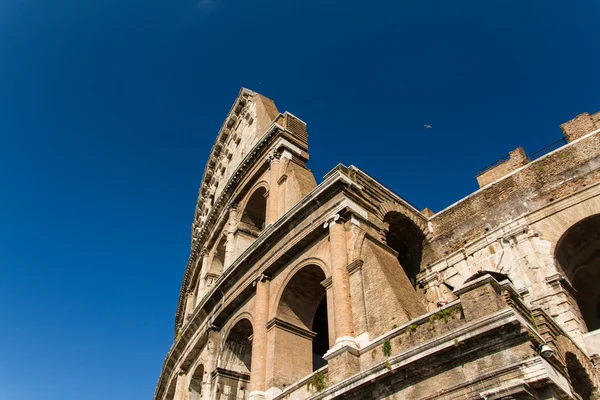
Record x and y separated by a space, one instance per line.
289 327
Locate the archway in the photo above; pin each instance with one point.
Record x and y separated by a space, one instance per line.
195 386
237 350
255 212
406 238
301 329
578 256
580 380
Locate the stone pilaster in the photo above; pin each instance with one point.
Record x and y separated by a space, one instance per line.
202 278
339 278
259 341
273 201
210 364
180 386
343 356
230 251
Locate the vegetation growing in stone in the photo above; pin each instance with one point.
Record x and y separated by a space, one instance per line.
388 365
444 314
413 328
387 348
317 381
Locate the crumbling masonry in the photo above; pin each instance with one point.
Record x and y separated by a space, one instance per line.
295 290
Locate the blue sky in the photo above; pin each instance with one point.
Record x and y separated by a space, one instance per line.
108 110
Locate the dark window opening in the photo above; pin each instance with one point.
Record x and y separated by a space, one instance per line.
320 343
407 239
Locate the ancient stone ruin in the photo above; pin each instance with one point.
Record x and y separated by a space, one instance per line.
295 290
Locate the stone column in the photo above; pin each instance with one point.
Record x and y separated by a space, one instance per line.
230 255
273 201
340 280
202 278
343 356
180 386
259 341
211 363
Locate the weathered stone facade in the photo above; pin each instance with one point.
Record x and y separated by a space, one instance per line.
295 290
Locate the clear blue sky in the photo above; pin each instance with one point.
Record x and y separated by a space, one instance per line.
108 110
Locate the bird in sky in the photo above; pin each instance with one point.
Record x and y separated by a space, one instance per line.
428 126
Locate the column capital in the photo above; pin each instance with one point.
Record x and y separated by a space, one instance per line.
332 219
273 156
261 278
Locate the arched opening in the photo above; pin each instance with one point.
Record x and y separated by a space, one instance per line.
578 255
255 213
232 377
580 380
237 352
195 386
406 238
301 328
496 275
218 261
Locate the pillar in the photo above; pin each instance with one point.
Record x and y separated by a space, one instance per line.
230 251
210 364
343 356
180 386
273 201
258 375
340 280
202 278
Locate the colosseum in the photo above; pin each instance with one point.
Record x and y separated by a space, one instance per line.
342 289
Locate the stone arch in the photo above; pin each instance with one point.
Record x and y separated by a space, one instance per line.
553 227
253 213
577 255
289 274
236 350
194 390
299 330
418 219
578 375
582 373
407 235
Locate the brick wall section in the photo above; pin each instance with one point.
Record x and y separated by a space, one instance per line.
517 158
580 126
557 175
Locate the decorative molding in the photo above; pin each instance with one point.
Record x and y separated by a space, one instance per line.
288 327
354 266
229 374
326 283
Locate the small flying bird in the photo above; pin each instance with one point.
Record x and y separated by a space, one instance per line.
428 126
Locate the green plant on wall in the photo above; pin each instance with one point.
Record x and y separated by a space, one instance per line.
444 314
387 348
317 381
